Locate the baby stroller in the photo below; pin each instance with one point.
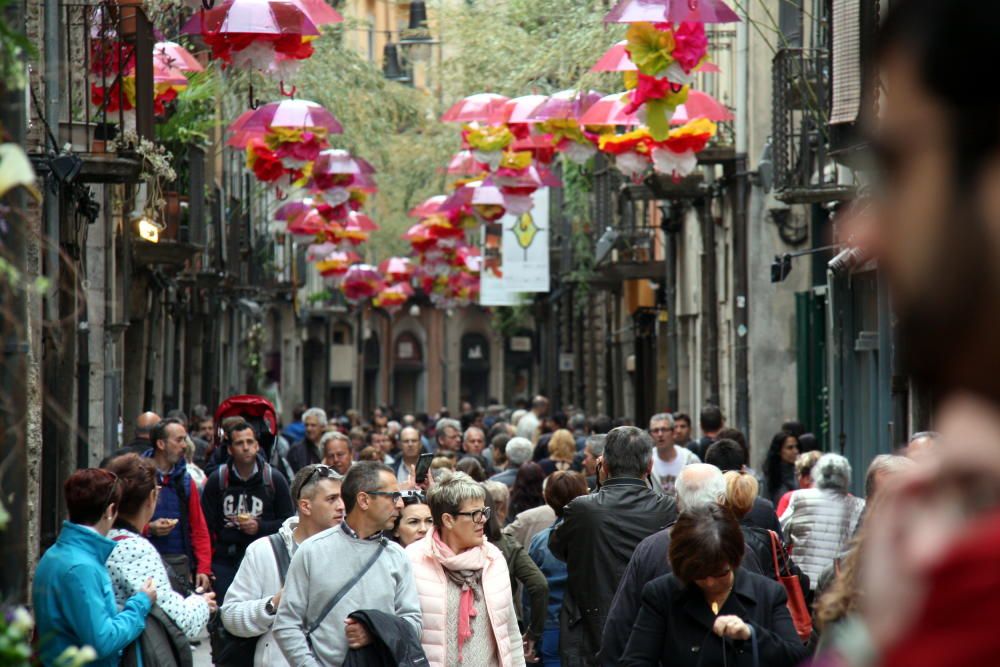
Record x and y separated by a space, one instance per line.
256 411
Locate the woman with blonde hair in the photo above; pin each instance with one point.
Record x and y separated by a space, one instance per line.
463 582
562 449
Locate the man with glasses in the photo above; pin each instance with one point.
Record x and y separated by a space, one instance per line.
178 529
252 601
669 458
352 566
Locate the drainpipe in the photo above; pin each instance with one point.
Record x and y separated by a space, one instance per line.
52 58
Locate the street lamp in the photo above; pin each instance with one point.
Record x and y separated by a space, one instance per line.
391 68
416 39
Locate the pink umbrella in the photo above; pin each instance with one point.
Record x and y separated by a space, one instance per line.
364 183
661 11
336 161
464 163
429 206
366 167
616 59
300 114
163 73
478 108
175 55
700 105
293 209
609 110
359 222
253 17
318 11
565 105
518 110
396 268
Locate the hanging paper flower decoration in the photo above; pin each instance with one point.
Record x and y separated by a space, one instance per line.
337 263
396 269
677 155
393 297
361 281
264 162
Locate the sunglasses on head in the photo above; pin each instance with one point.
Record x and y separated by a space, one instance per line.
322 471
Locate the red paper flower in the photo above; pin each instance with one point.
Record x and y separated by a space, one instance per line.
648 88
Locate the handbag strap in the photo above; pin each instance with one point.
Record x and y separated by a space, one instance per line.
775 543
281 557
753 645
346 588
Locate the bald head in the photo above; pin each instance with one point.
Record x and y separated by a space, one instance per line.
698 485
144 423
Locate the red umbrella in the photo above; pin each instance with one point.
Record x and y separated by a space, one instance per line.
565 105
428 207
609 110
396 269
662 11
300 114
252 17
336 161
359 222
616 59
475 108
700 105
318 11
174 55
518 110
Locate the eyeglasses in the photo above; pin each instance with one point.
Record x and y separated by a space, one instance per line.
111 493
320 469
478 516
395 495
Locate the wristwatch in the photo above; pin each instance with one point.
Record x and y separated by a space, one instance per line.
270 608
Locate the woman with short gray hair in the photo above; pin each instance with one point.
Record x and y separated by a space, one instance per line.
463 582
820 521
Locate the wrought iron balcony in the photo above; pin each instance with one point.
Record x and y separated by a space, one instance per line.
804 171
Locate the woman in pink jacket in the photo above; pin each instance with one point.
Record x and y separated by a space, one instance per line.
463 582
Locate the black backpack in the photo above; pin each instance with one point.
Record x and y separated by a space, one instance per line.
228 650
162 643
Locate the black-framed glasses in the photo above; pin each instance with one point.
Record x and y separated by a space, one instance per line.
322 470
478 516
111 492
395 495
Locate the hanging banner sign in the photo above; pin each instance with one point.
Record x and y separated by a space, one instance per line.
516 255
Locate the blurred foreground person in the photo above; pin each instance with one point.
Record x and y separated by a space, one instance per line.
929 570
709 611
73 600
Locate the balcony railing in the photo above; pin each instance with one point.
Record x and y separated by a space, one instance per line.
804 172
106 77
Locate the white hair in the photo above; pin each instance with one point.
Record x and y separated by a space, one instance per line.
832 471
700 492
318 413
332 435
519 450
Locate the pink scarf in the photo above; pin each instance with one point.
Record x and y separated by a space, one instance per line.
462 568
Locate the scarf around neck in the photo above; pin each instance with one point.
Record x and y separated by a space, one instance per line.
463 569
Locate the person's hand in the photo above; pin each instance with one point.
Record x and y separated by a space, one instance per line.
250 525
276 598
209 597
149 588
732 627
529 649
411 481
357 634
203 582
162 527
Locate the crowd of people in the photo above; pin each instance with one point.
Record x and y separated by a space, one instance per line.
505 537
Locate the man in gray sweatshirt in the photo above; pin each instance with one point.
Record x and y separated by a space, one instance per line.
326 563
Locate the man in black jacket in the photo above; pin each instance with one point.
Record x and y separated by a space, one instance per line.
727 455
243 500
307 450
597 536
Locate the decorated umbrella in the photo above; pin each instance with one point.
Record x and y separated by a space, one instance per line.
317 251
393 297
475 108
337 263
293 209
568 104
518 109
174 55
311 224
676 156
609 110
464 163
428 207
318 11
362 281
296 114
700 105
239 137
396 269
616 59
663 11
251 33
358 228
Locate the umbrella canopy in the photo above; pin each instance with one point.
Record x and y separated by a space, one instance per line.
662 11
396 268
163 73
617 59
318 11
518 110
464 163
252 17
475 108
429 206
700 105
336 161
293 209
359 222
609 110
565 105
300 114
174 55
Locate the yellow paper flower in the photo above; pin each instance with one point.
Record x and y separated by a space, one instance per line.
649 48
516 160
637 140
489 138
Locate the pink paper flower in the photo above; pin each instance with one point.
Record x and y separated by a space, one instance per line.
690 45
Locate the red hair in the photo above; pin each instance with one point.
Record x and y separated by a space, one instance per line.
88 494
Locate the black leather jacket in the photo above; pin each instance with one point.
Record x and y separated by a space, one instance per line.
596 539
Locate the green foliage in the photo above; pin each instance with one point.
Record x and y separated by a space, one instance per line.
577 184
193 117
13 47
507 320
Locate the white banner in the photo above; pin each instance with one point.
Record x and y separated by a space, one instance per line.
520 255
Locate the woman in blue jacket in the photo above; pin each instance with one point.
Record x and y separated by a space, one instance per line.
73 599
